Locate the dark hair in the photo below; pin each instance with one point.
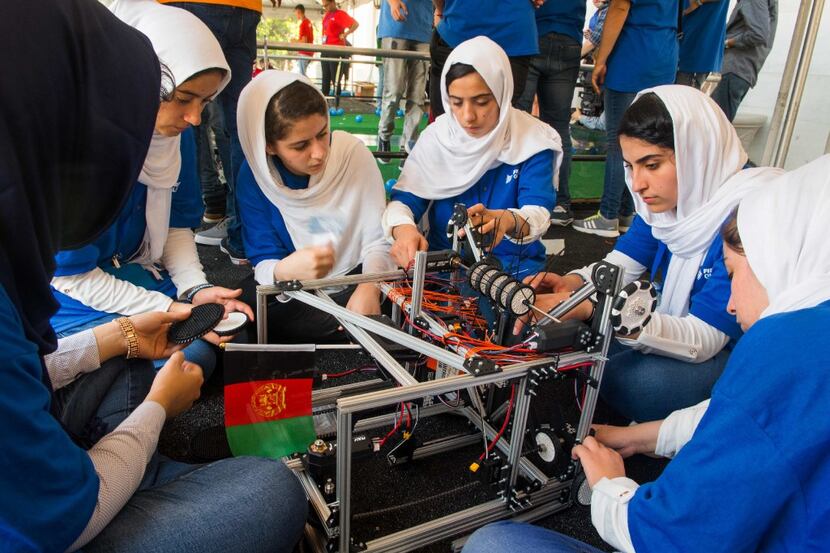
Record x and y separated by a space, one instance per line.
168 83
458 70
647 119
729 233
300 8
296 101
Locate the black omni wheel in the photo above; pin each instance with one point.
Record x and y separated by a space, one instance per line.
633 306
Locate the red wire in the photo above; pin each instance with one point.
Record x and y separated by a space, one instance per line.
398 421
503 425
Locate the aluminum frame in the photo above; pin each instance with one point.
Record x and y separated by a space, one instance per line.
549 498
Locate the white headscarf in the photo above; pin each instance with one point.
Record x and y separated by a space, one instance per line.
710 183
185 46
791 258
446 161
342 204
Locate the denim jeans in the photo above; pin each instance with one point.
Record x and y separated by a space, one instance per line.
333 73
214 192
403 79
730 93
517 536
694 80
647 387
235 29
198 351
302 65
246 504
552 76
616 199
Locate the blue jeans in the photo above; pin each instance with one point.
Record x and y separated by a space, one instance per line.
552 76
246 504
616 199
516 536
647 387
198 351
214 193
235 29
730 93
302 65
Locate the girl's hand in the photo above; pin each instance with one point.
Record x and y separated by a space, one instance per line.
177 385
598 461
306 264
408 241
552 282
495 222
365 300
151 330
628 440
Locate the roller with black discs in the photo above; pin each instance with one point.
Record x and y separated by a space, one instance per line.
203 318
633 306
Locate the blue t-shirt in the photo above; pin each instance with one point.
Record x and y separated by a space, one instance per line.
711 289
505 186
417 26
509 23
755 475
704 30
565 17
123 238
263 230
645 53
49 487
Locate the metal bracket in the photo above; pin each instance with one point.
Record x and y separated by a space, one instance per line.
288 285
479 366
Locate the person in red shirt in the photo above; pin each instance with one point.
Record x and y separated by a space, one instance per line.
305 35
337 25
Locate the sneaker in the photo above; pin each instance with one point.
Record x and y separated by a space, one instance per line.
215 234
384 146
599 225
561 216
625 222
210 218
237 257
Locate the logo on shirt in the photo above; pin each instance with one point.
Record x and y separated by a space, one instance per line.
704 273
511 176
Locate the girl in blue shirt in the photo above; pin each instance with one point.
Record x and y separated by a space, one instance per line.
311 203
147 257
683 166
751 467
498 161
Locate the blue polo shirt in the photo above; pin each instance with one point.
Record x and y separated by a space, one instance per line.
565 17
505 186
123 238
711 289
417 26
645 53
49 486
755 475
509 23
263 230
704 30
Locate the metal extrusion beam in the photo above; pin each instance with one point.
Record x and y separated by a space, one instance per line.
380 355
381 329
344 477
381 398
580 295
348 280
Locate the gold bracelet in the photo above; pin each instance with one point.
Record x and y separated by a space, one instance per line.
128 332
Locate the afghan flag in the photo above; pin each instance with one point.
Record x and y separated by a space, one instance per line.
268 402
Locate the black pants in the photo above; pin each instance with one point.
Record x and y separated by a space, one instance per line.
330 73
295 322
438 53
730 93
